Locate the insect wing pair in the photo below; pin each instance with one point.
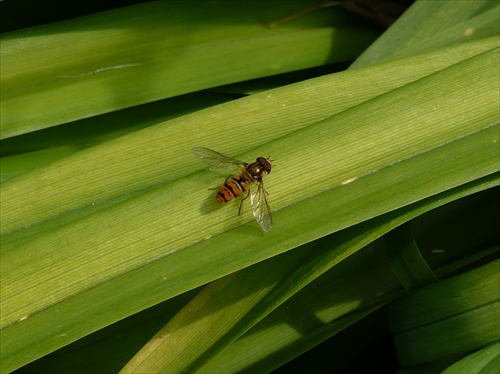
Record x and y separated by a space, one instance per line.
245 178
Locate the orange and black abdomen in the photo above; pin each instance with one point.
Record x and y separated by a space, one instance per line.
232 188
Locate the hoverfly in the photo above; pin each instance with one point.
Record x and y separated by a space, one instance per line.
248 180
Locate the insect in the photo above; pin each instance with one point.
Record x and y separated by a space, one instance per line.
248 180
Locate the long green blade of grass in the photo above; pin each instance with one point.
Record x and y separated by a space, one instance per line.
484 361
31 151
155 50
426 329
429 26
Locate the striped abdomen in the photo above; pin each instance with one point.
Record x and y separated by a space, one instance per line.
232 188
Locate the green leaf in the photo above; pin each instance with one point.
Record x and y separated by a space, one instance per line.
430 26
406 260
138 54
31 151
484 361
117 228
426 329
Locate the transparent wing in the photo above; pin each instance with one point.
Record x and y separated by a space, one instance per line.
217 160
260 207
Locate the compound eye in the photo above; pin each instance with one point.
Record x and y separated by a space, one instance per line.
265 164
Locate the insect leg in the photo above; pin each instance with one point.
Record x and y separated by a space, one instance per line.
241 202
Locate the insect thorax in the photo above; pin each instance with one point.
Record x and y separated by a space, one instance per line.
254 172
